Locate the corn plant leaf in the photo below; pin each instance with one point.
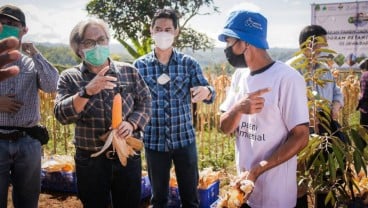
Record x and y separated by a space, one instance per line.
357 161
363 133
332 167
313 161
326 50
357 140
329 198
342 191
339 155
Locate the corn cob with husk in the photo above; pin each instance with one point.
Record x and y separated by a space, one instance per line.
124 147
235 196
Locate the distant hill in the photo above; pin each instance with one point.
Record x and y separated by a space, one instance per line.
62 54
217 55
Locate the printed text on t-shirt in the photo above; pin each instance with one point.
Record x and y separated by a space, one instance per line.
249 130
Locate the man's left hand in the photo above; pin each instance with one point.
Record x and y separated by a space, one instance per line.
29 49
199 93
125 129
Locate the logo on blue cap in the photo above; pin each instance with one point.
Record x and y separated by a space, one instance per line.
250 27
251 23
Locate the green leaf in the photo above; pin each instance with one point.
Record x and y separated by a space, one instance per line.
326 50
363 133
358 164
330 199
357 140
339 156
332 167
313 159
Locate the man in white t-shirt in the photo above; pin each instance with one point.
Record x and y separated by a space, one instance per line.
266 107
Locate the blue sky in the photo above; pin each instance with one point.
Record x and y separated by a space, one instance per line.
52 21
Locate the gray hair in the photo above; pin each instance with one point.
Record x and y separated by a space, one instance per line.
77 33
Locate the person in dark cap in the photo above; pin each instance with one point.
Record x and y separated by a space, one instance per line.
14 13
363 98
20 148
266 107
329 91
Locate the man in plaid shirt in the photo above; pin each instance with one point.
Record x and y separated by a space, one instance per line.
175 80
84 97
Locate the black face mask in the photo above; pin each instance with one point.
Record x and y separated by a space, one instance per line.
237 61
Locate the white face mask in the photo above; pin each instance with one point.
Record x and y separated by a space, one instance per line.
163 40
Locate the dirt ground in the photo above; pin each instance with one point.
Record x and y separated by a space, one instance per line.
63 200
60 200
53 200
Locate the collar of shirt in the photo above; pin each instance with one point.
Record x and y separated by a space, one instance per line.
174 59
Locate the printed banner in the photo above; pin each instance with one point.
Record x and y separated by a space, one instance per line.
347 30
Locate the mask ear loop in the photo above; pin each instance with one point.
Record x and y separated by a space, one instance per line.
246 48
236 41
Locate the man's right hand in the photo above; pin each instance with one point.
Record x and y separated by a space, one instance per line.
252 102
8 54
101 82
9 104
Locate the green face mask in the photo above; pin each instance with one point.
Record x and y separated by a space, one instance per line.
9 31
97 55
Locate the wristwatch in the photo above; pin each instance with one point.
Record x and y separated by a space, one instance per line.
83 93
211 92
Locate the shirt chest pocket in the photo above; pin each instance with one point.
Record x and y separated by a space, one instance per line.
180 86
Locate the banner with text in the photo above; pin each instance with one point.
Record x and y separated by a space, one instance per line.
347 30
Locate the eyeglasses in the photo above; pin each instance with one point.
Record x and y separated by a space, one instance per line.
89 43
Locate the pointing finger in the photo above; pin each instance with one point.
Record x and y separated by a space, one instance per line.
259 92
103 71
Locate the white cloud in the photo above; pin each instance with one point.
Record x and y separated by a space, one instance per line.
52 20
245 6
57 25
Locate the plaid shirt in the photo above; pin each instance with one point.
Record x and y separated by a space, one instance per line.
35 73
95 119
171 124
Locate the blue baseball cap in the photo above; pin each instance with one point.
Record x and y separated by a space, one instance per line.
247 26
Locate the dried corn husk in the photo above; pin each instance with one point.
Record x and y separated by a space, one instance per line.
135 143
58 163
237 194
207 177
121 146
123 149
